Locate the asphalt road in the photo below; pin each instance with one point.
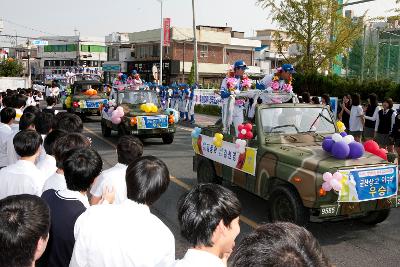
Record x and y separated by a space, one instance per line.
346 243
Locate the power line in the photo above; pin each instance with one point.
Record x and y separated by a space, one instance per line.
27 27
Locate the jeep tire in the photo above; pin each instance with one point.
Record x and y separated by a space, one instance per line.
285 205
375 217
205 171
168 138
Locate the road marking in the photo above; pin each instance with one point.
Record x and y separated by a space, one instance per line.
184 185
184 128
175 180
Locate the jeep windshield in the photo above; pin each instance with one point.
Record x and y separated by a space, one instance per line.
137 97
294 120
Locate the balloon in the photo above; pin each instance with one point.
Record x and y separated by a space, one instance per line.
347 139
326 186
336 185
154 109
328 137
249 135
327 176
340 150
343 134
327 145
196 132
115 120
219 136
356 150
248 126
382 153
243 131
337 137
217 143
337 176
240 127
371 146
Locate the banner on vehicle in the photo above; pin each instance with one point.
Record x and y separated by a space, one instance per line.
227 154
206 97
368 184
152 122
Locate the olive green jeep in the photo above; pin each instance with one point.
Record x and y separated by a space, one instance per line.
284 164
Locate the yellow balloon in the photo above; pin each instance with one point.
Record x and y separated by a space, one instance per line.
219 136
154 109
218 143
142 107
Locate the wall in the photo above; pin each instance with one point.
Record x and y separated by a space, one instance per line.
214 55
233 55
13 83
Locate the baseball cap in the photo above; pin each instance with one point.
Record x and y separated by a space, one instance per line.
288 68
240 64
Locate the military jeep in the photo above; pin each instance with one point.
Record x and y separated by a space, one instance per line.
136 121
284 164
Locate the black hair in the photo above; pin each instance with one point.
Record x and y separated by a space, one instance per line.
315 100
19 101
355 99
147 178
67 142
70 122
305 96
24 220
81 166
44 122
31 109
390 102
201 210
259 101
50 100
129 148
26 120
279 244
326 98
51 138
7 101
27 143
373 100
7 114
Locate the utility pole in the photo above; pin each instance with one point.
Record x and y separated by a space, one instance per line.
160 73
28 45
363 54
196 71
183 62
377 55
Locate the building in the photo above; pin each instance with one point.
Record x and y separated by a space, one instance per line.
64 53
218 47
268 56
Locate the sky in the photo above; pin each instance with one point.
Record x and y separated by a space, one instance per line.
101 17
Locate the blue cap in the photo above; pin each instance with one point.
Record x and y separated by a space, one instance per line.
240 64
134 72
288 68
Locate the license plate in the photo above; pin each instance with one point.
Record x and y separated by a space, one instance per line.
92 104
327 211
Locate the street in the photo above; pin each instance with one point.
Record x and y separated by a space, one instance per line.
346 243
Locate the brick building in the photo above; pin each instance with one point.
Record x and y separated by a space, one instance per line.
217 48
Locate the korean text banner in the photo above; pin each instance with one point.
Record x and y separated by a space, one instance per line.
227 154
206 97
152 122
368 184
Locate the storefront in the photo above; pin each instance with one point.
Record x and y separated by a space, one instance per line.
145 69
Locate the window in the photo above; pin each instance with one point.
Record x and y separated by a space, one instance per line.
203 50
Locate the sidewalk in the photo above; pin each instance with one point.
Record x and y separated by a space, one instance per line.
201 121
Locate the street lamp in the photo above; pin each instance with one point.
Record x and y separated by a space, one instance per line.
28 45
160 74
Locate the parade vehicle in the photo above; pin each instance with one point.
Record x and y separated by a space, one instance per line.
137 112
283 157
84 95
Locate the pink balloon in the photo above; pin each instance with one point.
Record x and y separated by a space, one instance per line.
248 126
336 185
249 135
240 127
326 186
337 176
327 177
115 120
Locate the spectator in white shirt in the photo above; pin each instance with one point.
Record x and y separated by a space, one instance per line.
129 148
26 122
279 244
25 223
23 177
127 234
371 114
209 219
356 121
7 116
18 102
48 165
60 148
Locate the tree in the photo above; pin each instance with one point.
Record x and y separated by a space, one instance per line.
317 27
11 68
191 79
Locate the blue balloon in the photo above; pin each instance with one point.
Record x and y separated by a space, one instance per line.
340 150
356 150
327 145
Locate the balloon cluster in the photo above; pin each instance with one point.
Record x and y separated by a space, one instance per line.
240 145
90 92
217 141
116 115
245 131
341 127
332 181
196 132
149 108
373 148
343 146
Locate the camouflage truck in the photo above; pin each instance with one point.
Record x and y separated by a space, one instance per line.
135 120
284 164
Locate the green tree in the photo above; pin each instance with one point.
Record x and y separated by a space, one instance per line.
191 79
11 68
317 27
